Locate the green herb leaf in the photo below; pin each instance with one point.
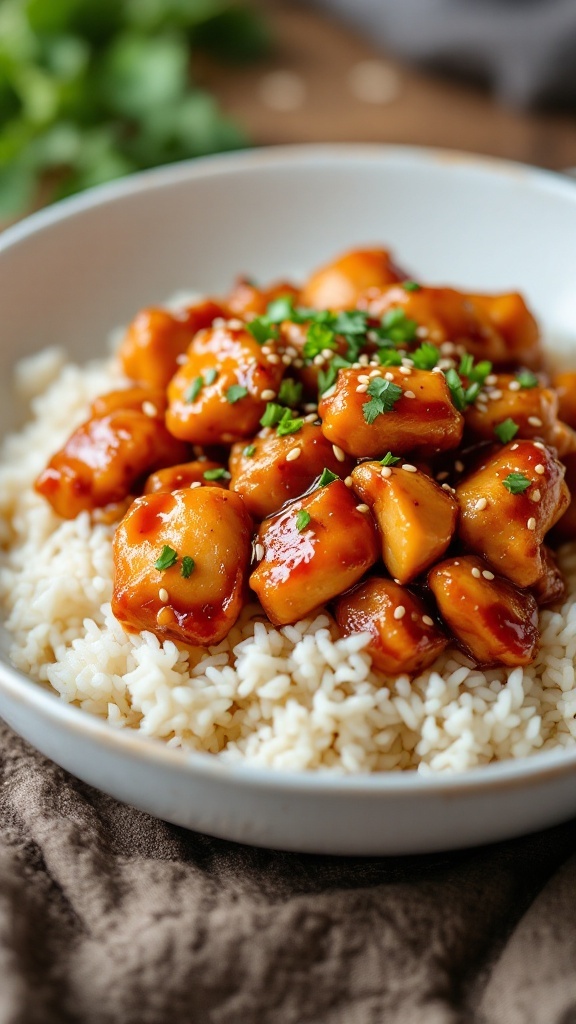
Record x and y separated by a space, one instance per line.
187 567
466 365
479 372
287 425
191 393
426 357
216 474
389 357
249 450
527 379
397 327
318 337
235 392
506 430
516 483
281 309
211 375
389 459
411 286
383 397
290 392
302 520
456 390
327 477
167 558
272 414
350 321
262 330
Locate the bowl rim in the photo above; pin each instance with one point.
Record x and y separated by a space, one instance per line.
33 697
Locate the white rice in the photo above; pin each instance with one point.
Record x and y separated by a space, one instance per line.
294 698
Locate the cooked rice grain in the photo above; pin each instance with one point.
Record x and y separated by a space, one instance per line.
294 698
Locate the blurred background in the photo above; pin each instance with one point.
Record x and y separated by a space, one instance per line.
94 89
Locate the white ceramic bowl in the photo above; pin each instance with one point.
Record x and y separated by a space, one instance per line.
69 274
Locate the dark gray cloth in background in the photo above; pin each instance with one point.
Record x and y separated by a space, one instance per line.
108 916
525 49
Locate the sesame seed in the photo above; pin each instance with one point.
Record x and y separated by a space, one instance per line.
181 359
235 324
487 574
531 524
374 373
195 484
363 378
539 469
328 353
491 379
495 394
538 444
274 359
476 573
149 409
310 407
436 369
319 360
286 359
163 595
459 466
421 332
356 366
348 481
409 394
480 504
340 455
405 370
427 620
447 364
535 496
259 551
446 487
388 375
409 468
311 417
514 385
534 421
228 438
292 352
293 454
363 359
218 321
385 472
268 395
362 389
165 616
399 612
395 580
442 476
447 348
362 508
298 363
514 447
407 362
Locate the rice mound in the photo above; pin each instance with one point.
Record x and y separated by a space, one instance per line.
297 698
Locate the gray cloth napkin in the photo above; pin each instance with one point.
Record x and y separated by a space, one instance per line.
526 49
108 916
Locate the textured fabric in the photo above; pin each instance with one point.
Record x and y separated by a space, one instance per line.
107 915
526 49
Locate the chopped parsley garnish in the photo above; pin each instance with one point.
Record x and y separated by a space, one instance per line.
290 392
383 397
249 450
389 459
479 372
389 357
527 379
262 330
167 558
327 477
210 375
397 327
411 286
456 389
318 337
191 393
272 415
288 424
280 309
235 392
187 567
216 474
425 357
327 377
506 430
302 520
350 321
516 483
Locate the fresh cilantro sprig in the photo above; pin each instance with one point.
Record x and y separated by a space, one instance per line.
527 379
506 431
280 417
516 483
396 327
302 520
168 557
426 357
383 396
475 373
327 477
235 393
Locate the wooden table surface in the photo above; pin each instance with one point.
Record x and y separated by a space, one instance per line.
324 83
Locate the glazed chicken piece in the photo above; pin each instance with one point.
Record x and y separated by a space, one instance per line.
156 338
339 284
413 413
294 337
219 394
494 621
534 410
476 322
416 518
313 550
181 564
404 637
151 401
104 458
268 473
551 586
246 300
565 528
176 478
508 505
565 387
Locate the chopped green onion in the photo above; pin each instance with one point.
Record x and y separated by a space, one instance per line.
411 286
272 414
187 567
235 392
456 390
249 450
527 379
327 477
288 425
506 430
290 392
167 558
191 393
216 474
389 459
210 375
